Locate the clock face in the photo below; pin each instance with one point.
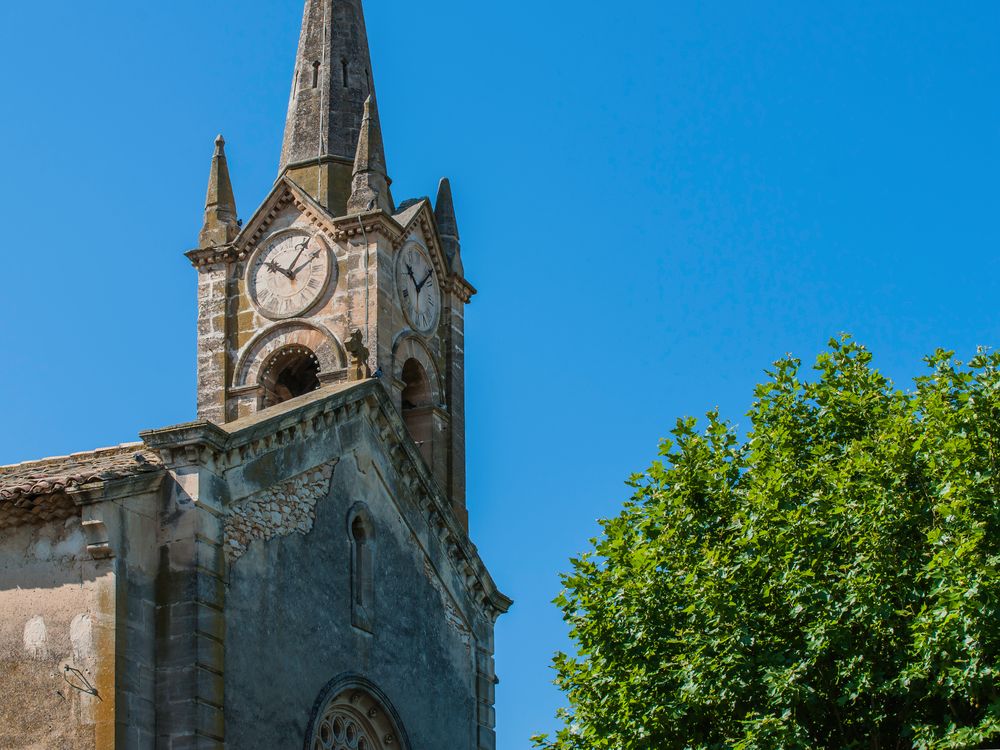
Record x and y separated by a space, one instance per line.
419 292
288 274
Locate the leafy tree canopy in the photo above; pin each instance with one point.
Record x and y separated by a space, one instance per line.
829 582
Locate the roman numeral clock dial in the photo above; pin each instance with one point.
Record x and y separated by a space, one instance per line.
419 292
288 274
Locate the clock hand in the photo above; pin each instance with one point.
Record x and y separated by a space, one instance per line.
306 264
273 267
426 279
301 248
409 271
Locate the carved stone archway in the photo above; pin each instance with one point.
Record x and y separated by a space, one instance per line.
327 349
409 346
352 714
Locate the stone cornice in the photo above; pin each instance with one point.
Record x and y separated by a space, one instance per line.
209 257
462 289
314 161
116 489
373 222
191 444
285 192
432 502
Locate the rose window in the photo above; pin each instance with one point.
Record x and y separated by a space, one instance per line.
354 721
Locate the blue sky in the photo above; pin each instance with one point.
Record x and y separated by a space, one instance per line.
656 201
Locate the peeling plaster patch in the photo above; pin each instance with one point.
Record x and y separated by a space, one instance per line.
42 550
55 543
36 638
72 546
283 510
81 636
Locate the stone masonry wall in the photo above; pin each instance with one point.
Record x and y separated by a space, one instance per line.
212 356
289 628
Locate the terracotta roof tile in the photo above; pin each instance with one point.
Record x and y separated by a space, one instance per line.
37 489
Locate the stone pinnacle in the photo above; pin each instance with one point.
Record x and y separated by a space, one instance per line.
221 224
370 184
444 213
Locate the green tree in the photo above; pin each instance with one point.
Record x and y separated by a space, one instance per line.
829 582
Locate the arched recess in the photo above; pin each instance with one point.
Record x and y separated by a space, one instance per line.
416 405
409 346
259 352
421 400
351 713
361 532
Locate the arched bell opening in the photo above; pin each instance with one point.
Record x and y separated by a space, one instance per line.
289 373
417 407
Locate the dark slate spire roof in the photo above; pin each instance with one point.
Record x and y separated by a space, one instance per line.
331 82
221 225
370 185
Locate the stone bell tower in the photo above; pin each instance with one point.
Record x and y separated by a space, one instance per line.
294 568
329 280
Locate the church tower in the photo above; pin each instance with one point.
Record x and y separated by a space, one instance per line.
329 281
294 568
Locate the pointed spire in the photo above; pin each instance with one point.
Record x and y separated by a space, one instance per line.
444 212
370 185
332 79
221 225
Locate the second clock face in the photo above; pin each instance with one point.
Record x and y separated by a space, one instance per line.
418 288
288 275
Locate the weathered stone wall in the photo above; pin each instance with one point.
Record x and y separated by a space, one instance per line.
251 338
289 625
190 596
211 601
131 522
397 343
213 361
54 638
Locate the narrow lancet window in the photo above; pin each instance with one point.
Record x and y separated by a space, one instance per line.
343 65
362 569
315 74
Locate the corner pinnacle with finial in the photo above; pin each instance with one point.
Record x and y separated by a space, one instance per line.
221 223
444 214
370 184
